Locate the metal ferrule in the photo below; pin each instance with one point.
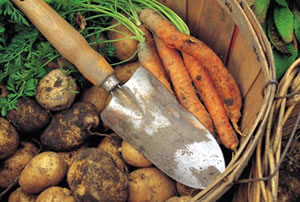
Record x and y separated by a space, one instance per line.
110 83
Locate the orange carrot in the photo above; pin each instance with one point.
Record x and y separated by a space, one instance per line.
151 44
149 59
211 100
223 80
182 83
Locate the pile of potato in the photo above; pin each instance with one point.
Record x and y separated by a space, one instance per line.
54 148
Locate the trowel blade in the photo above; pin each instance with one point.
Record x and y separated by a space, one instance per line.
146 115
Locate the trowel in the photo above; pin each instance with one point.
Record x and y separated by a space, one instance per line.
142 111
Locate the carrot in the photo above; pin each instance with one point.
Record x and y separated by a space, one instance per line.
223 80
182 83
151 44
149 59
211 100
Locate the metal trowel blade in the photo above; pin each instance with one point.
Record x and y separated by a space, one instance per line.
146 115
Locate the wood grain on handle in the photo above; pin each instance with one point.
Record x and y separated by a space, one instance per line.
68 41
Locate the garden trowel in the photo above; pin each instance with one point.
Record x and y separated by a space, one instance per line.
142 111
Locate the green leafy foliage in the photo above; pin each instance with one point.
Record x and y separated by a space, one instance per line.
284 22
282 3
283 62
275 38
260 9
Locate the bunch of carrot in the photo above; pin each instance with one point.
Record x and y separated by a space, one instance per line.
188 63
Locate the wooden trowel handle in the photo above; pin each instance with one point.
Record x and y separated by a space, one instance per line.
68 41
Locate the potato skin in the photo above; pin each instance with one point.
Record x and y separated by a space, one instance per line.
20 196
112 144
56 91
9 139
29 117
94 176
125 71
44 170
133 157
55 193
11 167
124 48
150 184
95 95
69 156
69 129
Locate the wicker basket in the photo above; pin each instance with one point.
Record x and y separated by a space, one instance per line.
281 126
231 30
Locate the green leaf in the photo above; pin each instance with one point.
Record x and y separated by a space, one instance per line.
284 23
283 62
297 24
260 8
282 3
275 38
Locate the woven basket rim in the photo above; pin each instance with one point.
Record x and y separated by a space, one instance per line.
258 39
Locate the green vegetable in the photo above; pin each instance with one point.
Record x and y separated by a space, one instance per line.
275 38
284 23
297 24
282 3
260 8
283 62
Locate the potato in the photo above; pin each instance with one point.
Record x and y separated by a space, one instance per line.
95 95
133 157
9 139
55 194
94 176
150 184
69 156
179 199
112 144
44 170
56 91
97 41
125 48
11 167
69 129
125 71
29 116
20 196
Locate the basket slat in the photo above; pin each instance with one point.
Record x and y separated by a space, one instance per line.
252 103
214 26
243 64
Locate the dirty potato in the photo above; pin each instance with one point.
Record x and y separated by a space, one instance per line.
95 95
112 145
133 157
69 156
70 128
150 184
125 47
94 176
20 196
9 139
125 71
55 193
11 167
44 170
29 116
56 91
